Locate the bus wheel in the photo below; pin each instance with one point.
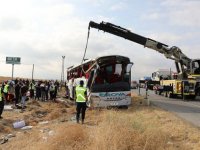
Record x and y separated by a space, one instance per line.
123 107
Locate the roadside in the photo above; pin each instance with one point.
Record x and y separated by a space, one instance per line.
139 127
188 110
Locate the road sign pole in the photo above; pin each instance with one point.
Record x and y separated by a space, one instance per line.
12 70
32 72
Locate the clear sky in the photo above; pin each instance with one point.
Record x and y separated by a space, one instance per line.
42 31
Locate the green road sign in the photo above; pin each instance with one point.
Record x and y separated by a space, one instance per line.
13 60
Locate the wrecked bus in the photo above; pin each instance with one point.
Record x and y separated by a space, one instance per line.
107 79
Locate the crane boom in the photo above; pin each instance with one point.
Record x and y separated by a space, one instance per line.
182 62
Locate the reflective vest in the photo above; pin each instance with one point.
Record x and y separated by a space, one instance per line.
0 95
5 90
31 86
52 88
80 94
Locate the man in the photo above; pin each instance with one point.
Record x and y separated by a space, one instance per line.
24 90
17 93
31 89
1 102
5 91
52 91
81 99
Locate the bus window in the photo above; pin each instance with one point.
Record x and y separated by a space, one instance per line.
109 70
118 69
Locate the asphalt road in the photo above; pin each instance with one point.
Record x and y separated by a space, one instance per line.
188 110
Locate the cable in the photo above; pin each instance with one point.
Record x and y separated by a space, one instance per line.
85 48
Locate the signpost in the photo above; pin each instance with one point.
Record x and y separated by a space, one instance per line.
13 60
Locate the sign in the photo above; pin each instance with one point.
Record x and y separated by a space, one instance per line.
13 60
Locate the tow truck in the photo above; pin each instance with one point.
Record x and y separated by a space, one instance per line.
187 82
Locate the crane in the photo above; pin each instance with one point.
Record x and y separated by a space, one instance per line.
185 66
187 83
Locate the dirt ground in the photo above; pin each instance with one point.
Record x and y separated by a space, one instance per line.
54 127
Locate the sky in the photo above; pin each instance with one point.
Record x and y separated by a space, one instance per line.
42 31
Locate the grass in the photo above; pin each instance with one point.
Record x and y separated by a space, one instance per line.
140 127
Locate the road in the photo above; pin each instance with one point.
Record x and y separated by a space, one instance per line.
187 110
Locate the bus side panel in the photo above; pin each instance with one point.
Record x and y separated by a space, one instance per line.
107 99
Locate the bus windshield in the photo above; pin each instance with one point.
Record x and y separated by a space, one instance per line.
113 74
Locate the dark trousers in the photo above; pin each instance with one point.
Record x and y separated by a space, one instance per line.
80 108
47 95
31 93
6 97
1 107
16 98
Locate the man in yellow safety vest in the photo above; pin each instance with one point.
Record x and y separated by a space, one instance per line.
1 102
81 99
5 91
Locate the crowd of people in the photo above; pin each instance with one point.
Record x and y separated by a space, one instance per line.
19 91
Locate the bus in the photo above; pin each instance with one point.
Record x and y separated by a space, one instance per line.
107 79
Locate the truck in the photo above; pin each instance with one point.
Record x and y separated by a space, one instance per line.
187 82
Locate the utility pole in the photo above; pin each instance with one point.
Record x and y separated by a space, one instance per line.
62 73
32 72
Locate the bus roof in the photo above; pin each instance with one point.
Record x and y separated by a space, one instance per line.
99 60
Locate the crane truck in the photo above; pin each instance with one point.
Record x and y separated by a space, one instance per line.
187 82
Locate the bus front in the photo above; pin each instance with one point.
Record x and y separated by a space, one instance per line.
110 82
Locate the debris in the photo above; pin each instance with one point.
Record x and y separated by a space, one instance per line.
10 136
73 119
44 122
19 124
51 133
45 130
3 140
8 107
27 127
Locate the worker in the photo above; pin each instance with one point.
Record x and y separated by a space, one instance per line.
81 99
5 91
1 102
52 91
32 88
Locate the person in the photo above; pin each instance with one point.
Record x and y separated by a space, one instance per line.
47 90
31 89
5 91
81 99
24 90
38 91
1 102
52 91
43 95
17 93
